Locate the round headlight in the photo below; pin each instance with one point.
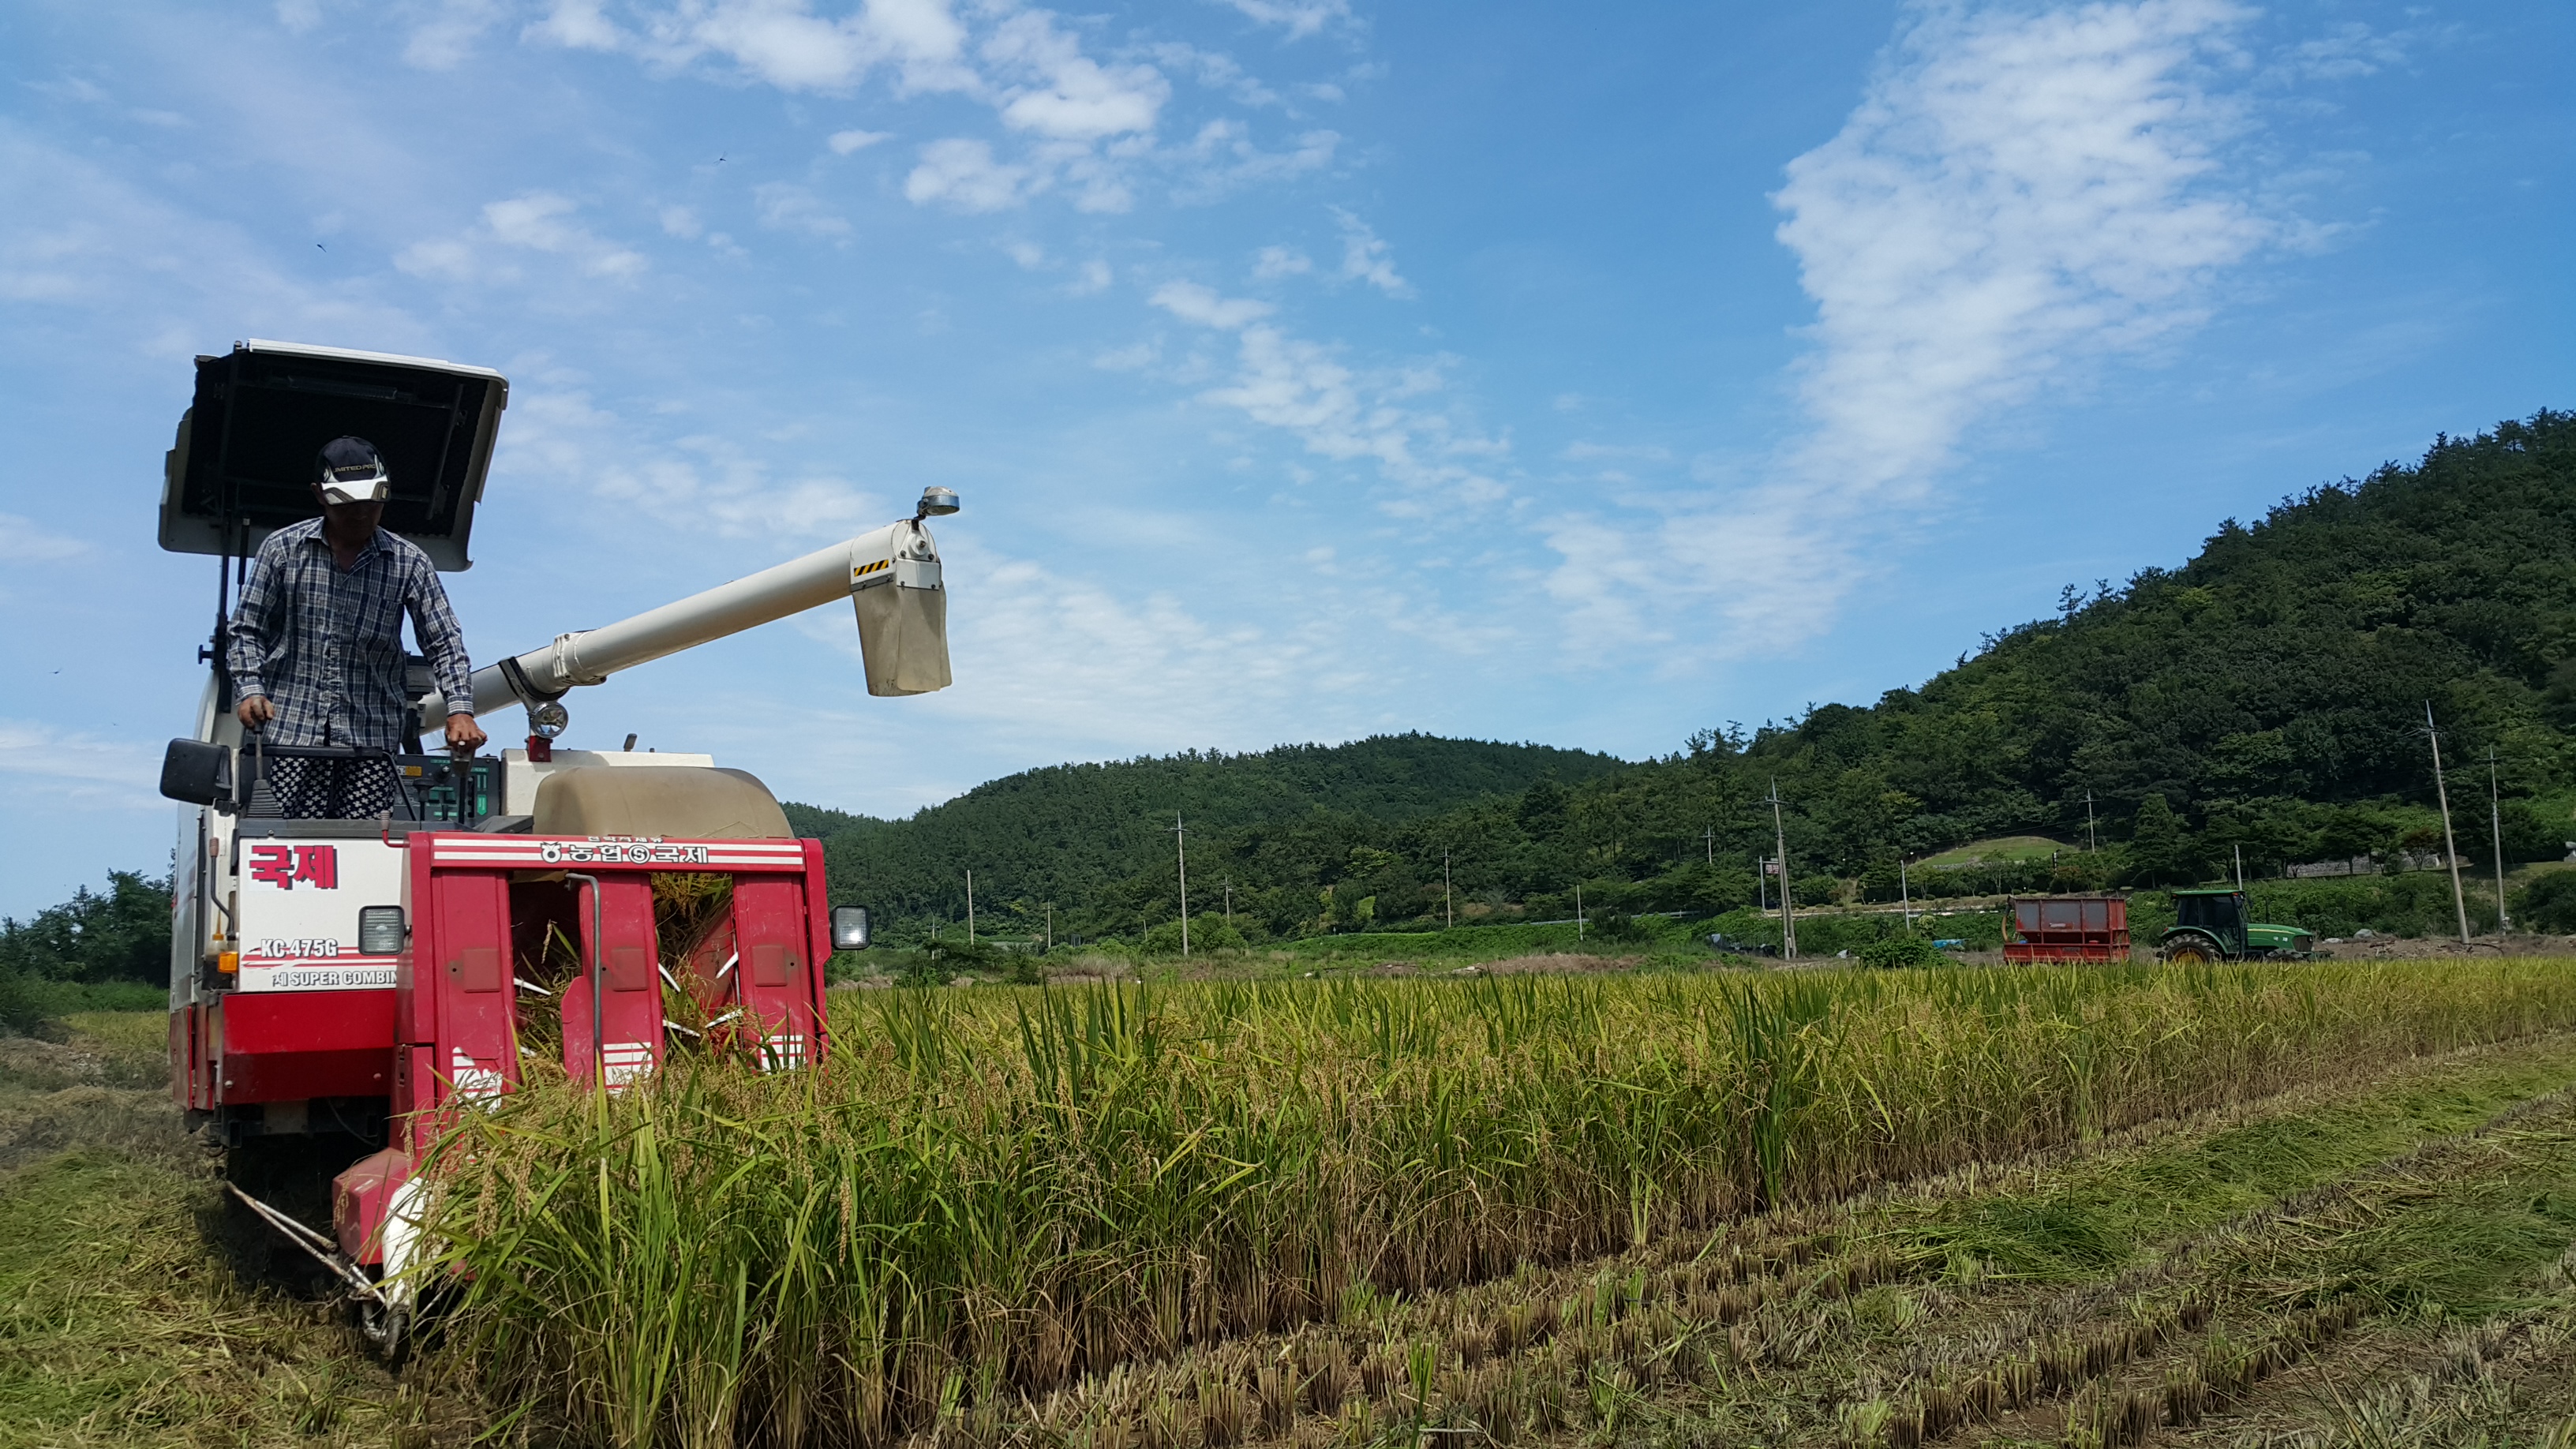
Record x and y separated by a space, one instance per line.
548 719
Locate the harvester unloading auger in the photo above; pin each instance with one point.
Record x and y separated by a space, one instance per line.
370 978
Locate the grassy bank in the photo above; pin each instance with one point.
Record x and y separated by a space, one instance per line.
133 1309
988 1194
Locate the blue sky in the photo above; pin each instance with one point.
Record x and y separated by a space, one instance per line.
1309 368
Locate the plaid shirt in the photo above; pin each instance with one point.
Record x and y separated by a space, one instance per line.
326 646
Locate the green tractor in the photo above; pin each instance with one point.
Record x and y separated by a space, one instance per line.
2210 925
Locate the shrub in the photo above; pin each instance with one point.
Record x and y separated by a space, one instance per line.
1208 932
1890 952
2547 904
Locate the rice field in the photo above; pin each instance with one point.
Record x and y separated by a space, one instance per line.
993 1213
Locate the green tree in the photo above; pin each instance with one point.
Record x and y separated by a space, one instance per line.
119 934
2160 851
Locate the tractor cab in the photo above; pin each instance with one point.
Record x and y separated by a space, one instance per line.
2210 925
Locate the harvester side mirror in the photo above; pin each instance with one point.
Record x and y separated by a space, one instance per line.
849 928
197 773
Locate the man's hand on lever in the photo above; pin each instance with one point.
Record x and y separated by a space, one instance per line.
463 734
255 710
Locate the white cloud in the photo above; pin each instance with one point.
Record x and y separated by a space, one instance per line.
845 142
1582 452
146 275
1300 18
1193 303
1223 157
446 30
1367 258
1274 262
781 42
1216 71
681 222
67 765
444 259
1062 93
538 221
793 208
692 485
1302 387
962 173
2353 50
1093 276
1129 359
2017 196
23 540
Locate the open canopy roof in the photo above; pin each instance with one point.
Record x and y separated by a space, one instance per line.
242 465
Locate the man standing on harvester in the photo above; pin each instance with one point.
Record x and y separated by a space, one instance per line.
315 649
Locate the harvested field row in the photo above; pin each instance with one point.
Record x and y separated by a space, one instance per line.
989 1205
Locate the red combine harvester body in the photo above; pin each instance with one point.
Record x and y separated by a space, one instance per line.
445 1034
355 984
2067 928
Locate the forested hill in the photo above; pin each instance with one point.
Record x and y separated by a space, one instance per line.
2268 694
1068 833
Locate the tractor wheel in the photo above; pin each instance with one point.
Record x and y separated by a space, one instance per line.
2193 950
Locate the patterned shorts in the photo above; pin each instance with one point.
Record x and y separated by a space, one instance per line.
331 789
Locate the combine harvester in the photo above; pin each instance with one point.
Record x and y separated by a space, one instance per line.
367 978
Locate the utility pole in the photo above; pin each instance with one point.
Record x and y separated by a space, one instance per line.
1578 910
2092 840
1050 945
970 908
1448 916
2240 870
1780 839
1905 893
2495 832
1708 838
1229 900
2450 844
1762 884
1181 843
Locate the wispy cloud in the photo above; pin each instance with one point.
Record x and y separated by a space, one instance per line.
2017 196
780 42
535 221
788 207
962 173
1300 18
23 540
692 485
1069 122
1341 412
70 765
144 274
1366 257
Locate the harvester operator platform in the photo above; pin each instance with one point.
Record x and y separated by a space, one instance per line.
315 649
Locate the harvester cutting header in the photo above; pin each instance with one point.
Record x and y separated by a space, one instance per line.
486 918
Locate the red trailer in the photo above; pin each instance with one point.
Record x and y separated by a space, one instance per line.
2067 928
